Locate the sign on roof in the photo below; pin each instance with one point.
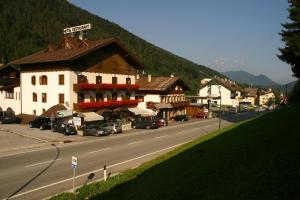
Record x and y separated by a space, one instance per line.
77 28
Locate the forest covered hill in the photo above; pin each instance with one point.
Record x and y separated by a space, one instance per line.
28 26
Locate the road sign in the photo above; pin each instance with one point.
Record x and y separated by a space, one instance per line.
74 161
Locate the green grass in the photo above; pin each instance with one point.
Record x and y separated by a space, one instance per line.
258 159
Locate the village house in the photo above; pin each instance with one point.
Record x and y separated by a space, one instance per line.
265 97
82 75
212 89
250 96
164 95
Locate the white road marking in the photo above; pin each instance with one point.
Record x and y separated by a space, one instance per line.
159 137
136 142
41 163
100 150
94 171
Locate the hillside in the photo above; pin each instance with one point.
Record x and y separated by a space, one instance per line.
27 26
258 159
250 79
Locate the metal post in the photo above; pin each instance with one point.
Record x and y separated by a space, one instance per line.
220 107
74 179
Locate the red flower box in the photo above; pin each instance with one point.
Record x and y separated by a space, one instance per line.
99 105
93 86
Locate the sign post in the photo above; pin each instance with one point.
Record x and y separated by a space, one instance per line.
74 166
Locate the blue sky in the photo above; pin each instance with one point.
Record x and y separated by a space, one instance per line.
220 34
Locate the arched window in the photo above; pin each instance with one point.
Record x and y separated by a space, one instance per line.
33 80
34 97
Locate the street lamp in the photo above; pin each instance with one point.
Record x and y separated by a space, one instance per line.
219 87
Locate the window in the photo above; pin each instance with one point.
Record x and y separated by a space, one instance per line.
44 97
128 81
114 96
80 98
114 80
108 97
127 95
34 112
9 94
82 79
34 97
98 79
99 97
43 80
92 99
61 79
61 98
33 81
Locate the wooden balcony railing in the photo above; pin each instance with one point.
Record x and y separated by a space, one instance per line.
93 86
106 104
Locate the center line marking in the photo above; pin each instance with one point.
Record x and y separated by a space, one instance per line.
41 163
161 136
100 150
134 142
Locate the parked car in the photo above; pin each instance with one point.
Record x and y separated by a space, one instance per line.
181 118
144 122
112 127
95 130
66 129
42 123
200 115
10 119
162 122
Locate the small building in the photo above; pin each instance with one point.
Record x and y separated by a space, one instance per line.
265 97
212 89
250 95
164 95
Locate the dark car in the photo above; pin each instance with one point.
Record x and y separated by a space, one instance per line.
10 119
144 122
181 118
200 115
112 127
66 129
42 123
95 130
162 122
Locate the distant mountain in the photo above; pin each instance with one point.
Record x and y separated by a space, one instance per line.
250 79
28 26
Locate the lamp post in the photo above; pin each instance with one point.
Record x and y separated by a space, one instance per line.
219 87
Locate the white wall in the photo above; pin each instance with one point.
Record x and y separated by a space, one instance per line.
14 103
52 89
225 96
148 98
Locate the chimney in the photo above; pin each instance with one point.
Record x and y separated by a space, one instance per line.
149 77
137 76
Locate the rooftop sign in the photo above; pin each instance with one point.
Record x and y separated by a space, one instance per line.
77 28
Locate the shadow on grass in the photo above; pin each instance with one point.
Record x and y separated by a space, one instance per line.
259 159
38 174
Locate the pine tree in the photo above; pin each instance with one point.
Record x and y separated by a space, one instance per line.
291 37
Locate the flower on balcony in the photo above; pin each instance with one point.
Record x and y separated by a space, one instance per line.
93 86
99 105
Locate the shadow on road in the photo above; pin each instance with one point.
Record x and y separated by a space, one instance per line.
39 174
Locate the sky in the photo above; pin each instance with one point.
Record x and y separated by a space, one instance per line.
224 35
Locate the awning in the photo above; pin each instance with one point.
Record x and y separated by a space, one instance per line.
140 111
92 116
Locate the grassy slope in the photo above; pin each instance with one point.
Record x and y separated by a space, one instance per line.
259 159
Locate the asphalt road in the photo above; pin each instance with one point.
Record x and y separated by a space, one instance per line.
44 172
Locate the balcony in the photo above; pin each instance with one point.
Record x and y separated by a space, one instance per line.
106 104
180 104
93 86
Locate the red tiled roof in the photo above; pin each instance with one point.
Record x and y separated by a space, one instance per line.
68 49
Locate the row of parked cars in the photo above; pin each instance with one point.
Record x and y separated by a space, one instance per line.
9 118
45 123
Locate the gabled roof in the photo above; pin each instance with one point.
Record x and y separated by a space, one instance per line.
70 49
229 85
158 83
